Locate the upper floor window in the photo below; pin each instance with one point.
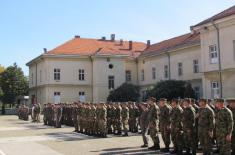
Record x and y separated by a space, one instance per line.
142 75
56 74
197 92
153 73
213 54
166 72
195 66
81 75
111 82
180 68
128 76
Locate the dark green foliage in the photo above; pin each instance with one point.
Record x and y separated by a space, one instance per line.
13 83
171 89
126 92
189 92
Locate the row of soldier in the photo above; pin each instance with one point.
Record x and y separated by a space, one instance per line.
94 119
24 111
187 125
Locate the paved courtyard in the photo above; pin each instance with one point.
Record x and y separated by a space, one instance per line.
19 137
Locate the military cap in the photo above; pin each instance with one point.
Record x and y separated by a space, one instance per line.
187 100
230 100
202 100
144 103
163 99
219 100
175 100
152 99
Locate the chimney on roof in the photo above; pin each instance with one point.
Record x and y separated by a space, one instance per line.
112 37
45 50
130 45
76 36
148 43
103 38
121 42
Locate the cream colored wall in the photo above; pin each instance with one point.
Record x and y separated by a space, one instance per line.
209 37
101 72
132 66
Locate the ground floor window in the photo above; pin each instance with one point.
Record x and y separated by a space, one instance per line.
215 93
56 97
197 92
144 95
82 97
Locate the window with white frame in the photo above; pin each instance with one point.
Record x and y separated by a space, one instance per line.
142 75
82 97
128 75
111 82
215 93
213 54
180 68
81 74
166 72
56 74
195 66
153 73
56 97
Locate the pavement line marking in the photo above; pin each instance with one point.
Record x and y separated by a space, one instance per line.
2 153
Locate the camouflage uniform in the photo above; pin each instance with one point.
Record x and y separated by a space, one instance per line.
232 108
205 126
118 119
153 119
189 121
125 118
109 119
75 117
102 120
165 112
177 128
224 127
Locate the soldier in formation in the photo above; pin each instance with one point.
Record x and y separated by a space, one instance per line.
181 122
23 112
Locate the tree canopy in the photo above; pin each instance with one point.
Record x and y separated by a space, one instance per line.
171 89
13 83
126 92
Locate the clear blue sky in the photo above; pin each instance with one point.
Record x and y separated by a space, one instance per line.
27 26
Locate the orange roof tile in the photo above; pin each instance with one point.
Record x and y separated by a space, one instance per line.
84 46
228 12
173 43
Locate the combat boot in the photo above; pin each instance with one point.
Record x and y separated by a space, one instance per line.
155 147
166 149
174 151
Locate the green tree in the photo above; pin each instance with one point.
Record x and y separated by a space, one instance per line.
126 92
1 69
189 91
13 83
169 89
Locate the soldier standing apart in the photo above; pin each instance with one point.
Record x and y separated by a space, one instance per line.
144 123
176 127
125 118
224 128
165 111
231 103
188 120
153 119
206 125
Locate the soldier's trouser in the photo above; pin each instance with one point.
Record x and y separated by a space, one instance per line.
165 132
223 144
154 135
75 122
205 140
144 132
125 124
233 140
190 139
177 138
102 125
118 125
109 125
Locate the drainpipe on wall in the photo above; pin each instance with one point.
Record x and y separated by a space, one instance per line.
220 68
92 80
169 64
36 82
